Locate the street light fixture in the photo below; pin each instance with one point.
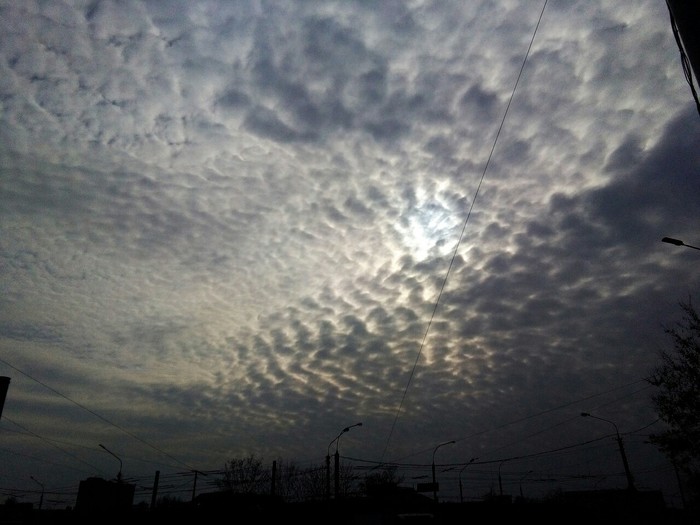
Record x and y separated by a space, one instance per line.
621 446
521 482
461 499
500 483
337 462
433 465
41 498
678 242
119 474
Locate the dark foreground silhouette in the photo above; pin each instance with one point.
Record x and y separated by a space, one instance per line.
618 507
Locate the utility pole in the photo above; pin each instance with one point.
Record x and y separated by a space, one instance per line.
194 485
621 447
685 23
41 498
154 495
273 487
435 485
4 385
336 474
328 475
119 474
686 15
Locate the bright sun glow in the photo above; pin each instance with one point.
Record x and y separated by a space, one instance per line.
428 229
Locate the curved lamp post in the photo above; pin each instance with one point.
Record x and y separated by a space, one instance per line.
678 242
621 446
461 499
433 466
119 474
500 483
337 462
41 498
521 482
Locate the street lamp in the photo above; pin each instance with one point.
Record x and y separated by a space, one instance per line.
433 465
678 242
337 462
500 483
119 474
521 482
461 499
41 498
621 446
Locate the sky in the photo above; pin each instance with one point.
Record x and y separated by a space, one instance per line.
236 228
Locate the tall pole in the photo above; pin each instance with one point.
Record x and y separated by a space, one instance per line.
41 498
273 483
154 495
621 447
119 474
337 458
194 484
4 385
336 463
500 483
336 474
461 498
686 16
521 482
684 24
435 498
328 474
678 480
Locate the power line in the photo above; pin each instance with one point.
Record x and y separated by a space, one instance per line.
50 442
97 415
545 412
685 63
461 235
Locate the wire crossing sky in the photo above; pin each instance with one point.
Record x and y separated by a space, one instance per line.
464 227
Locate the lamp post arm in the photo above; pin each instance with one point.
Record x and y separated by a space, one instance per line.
435 498
678 242
41 498
336 462
620 445
119 474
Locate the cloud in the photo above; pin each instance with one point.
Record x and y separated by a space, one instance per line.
236 230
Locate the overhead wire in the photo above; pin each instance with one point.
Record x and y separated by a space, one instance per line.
50 442
461 235
122 429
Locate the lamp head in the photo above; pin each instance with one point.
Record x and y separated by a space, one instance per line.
669 240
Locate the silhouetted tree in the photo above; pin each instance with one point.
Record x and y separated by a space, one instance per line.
295 484
677 399
381 483
169 501
311 484
251 475
245 476
348 480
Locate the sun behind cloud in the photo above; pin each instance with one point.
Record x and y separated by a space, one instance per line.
428 228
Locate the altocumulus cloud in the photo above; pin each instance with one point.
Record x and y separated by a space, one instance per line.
234 228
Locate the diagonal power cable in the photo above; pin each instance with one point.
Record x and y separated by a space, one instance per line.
464 227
